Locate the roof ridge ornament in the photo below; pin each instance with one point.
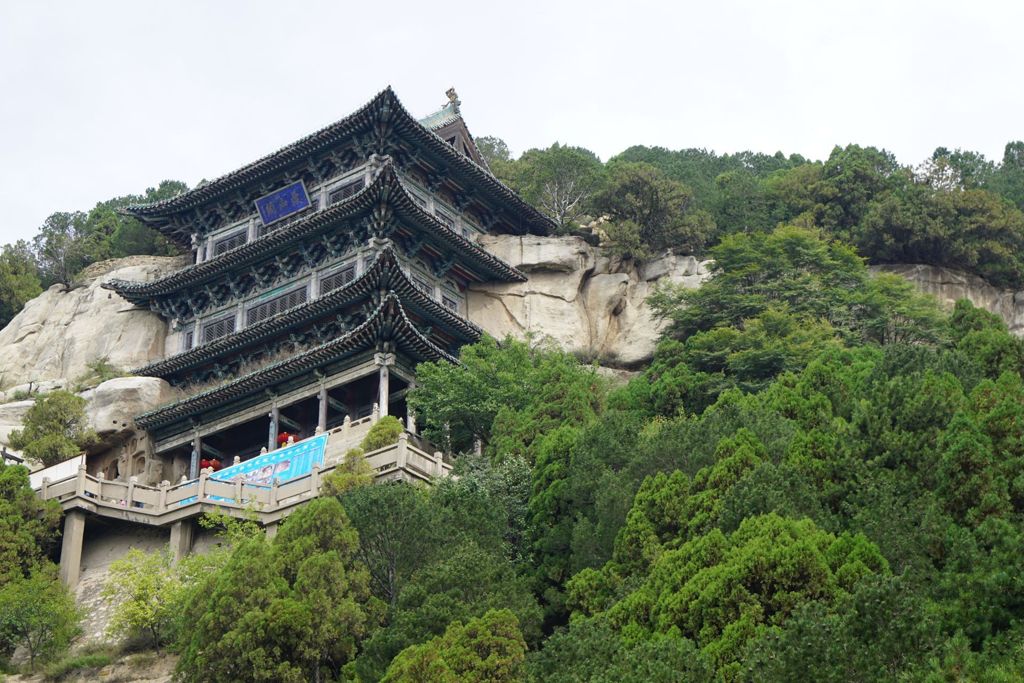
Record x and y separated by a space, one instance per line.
453 99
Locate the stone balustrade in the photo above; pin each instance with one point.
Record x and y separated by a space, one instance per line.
167 503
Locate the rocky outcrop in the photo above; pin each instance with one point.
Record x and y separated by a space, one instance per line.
949 285
578 296
113 404
110 408
593 304
60 332
11 415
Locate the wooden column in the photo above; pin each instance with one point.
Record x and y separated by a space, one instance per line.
321 420
384 385
385 390
275 420
197 449
410 417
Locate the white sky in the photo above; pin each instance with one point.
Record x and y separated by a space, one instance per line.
99 99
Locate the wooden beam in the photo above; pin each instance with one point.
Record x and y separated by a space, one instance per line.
215 451
288 422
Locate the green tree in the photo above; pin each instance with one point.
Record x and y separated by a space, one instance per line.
62 247
19 280
489 649
37 613
956 170
797 270
650 209
495 492
459 403
593 651
398 533
28 525
560 180
462 585
144 587
289 610
723 590
740 203
116 234
876 633
851 178
1009 177
54 429
497 157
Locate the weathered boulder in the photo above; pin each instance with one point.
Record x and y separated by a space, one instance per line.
578 296
114 403
60 332
11 415
110 407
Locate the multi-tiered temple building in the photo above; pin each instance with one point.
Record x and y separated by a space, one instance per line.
321 275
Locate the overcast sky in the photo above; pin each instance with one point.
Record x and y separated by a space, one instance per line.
99 99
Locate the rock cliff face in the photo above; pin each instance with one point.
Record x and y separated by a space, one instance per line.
578 296
110 409
950 285
61 331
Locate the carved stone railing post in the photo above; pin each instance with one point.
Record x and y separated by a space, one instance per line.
203 476
238 490
45 487
314 481
376 413
80 482
274 491
162 504
402 455
439 463
129 498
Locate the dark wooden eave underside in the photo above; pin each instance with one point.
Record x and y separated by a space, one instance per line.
384 275
382 114
372 203
387 323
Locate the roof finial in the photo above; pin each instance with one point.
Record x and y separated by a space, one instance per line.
453 98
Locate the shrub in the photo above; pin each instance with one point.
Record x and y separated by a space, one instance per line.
39 615
89 664
144 587
351 473
97 372
54 429
384 433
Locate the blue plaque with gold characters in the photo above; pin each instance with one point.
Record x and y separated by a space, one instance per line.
282 203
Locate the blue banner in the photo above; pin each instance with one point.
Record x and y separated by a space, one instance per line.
281 203
283 464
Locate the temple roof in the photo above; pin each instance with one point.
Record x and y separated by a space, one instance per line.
387 188
447 123
384 107
384 274
387 322
444 116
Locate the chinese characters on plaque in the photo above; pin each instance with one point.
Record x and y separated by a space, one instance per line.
282 203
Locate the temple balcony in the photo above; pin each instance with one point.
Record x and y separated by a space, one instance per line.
267 504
